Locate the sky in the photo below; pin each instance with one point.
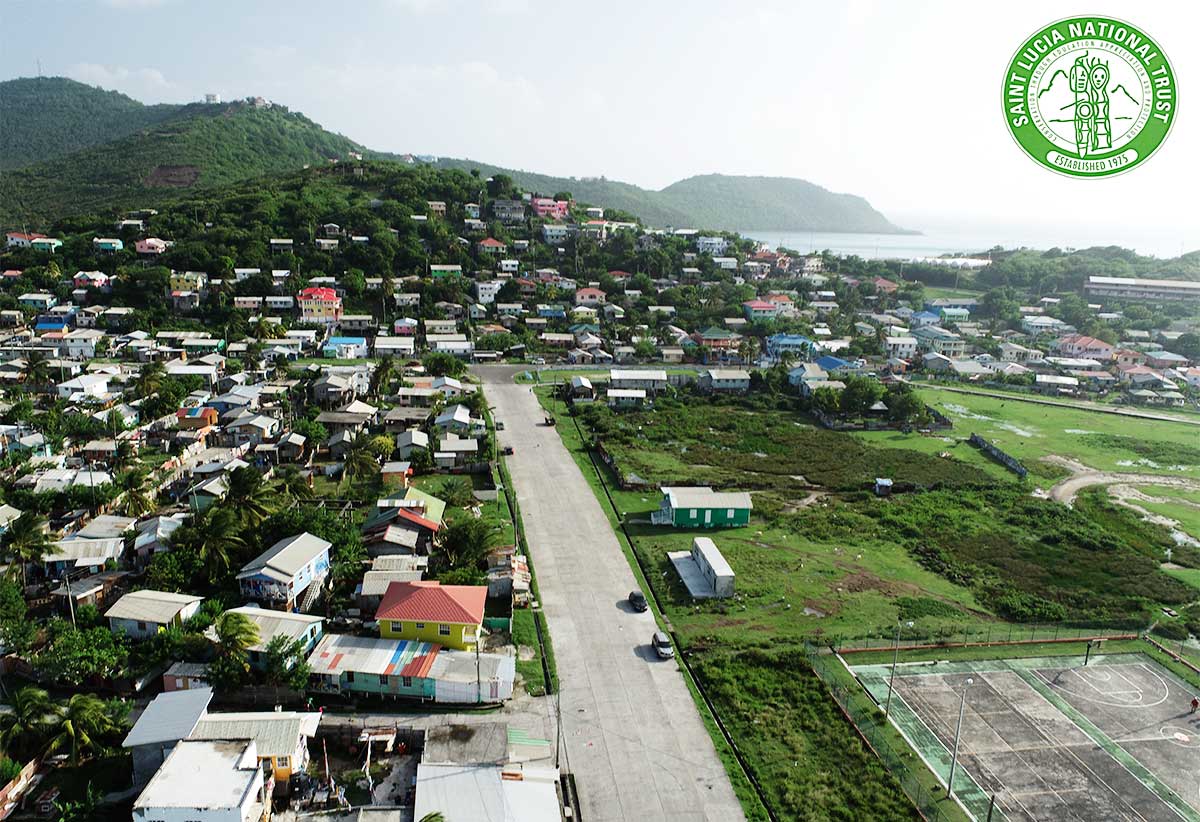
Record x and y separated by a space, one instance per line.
899 102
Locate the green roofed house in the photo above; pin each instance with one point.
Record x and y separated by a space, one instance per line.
702 507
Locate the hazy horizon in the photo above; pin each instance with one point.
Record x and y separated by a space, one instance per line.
898 105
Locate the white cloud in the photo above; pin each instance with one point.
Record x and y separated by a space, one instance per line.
149 85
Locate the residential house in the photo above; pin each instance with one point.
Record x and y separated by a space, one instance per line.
1081 345
282 574
649 380
760 310
791 345
702 507
590 296
939 340
319 305
345 348
904 348
427 611
725 380
168 719
280 738
490 245
142 614
207 781
107 245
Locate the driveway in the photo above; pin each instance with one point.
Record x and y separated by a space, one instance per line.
632 734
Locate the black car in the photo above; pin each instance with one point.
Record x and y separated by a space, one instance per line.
637 601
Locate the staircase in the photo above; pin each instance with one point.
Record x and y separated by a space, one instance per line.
312 594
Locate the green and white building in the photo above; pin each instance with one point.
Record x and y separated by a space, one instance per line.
702 507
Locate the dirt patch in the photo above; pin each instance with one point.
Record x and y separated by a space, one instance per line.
812 499
173 176
525 653
862 581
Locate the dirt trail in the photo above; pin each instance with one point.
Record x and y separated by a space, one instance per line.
1082 477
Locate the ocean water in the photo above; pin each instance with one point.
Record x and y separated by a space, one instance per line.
976 240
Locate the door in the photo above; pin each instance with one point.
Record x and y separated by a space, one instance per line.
708 516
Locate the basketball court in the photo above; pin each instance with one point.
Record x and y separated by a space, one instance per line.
1052 739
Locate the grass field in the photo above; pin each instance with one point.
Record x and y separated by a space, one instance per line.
823 558
1179 504
1030 431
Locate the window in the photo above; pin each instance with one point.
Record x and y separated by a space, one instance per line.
729 514
383 680
349 676
420 626
692 514
443 630
283 762
397 626
408 682
141 626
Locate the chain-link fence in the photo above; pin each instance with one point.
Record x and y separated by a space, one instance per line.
902 762
983 635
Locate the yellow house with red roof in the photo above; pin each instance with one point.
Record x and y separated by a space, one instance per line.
427 611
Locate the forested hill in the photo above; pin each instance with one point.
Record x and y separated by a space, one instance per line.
46 117
716 201
199 146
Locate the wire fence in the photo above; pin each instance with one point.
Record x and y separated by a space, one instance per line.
900 760
985 635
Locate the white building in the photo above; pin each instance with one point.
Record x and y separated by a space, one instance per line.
142 614
904 348
486 291
206 781
652 380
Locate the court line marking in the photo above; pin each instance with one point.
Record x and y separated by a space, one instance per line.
1152 783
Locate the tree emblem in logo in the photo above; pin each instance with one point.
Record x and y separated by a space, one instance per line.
1089 97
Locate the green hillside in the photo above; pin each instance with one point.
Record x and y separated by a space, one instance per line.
46 117
713 201
199 147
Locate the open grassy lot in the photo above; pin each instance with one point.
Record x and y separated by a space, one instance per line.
965 547
1106 442
1179 504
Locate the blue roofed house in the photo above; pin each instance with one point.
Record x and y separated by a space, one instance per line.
281 576
923 318
780 345
835 365
345 348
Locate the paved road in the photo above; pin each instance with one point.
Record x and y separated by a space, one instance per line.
633 736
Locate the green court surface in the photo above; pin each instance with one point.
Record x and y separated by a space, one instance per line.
1052 739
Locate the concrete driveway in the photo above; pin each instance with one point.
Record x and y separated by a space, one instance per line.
633 736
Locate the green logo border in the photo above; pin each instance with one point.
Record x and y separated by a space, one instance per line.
1035 145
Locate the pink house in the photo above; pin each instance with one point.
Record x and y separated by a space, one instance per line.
1081 345
589 296
546 207
151 246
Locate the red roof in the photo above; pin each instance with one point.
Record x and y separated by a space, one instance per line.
778 298
430 601
593 291
321 293
619 275
21 235
758 304
492 242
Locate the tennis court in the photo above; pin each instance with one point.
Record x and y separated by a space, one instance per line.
1052 739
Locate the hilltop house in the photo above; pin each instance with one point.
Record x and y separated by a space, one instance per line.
142 614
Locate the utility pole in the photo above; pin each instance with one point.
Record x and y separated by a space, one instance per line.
962 704
887 707
70 598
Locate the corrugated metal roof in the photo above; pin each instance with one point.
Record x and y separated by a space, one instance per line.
276 623
372 655
287 556
274 733
433 602
151 606
169 718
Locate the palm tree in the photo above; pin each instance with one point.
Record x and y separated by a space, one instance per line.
136 501
150 378
37 370
360 459
248 496
293 484
215 536
382 376
264 329
236 634
24 728
80 725
26 542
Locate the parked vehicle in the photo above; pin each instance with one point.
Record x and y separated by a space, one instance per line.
662 645
507 451
637 601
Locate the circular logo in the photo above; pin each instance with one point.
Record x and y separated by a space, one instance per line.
1090 96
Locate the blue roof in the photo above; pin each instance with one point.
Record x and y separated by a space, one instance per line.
832 363
171 716
795 339
346 341
927 315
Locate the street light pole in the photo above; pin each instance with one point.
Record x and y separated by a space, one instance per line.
962 704
887 707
